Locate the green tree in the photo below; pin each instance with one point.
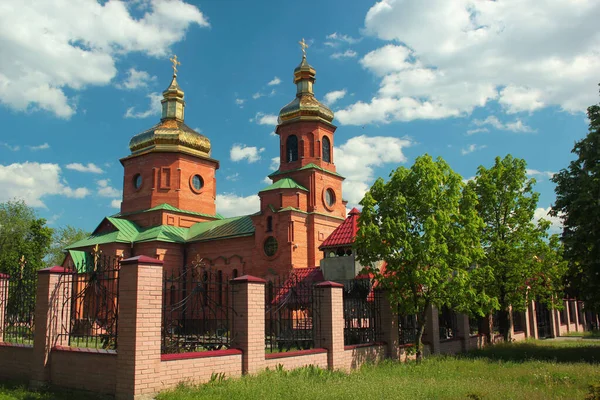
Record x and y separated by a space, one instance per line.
516 249
22 234
578 203
62 238
423 224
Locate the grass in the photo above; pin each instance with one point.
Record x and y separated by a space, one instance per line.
526 370
19 391
585 335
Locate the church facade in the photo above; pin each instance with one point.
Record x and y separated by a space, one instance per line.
168 210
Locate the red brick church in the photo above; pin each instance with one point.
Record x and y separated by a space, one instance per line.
169 188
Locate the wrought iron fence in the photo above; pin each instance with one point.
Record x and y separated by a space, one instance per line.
448 324
87 299
362 318
519 321
475 324
196 310
19 316
407 328
291 314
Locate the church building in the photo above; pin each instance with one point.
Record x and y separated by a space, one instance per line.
169 212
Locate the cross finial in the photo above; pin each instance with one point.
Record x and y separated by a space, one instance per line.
175 64
303 46
22 263
96 256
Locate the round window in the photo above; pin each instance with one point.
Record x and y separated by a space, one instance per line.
137 181
270 246
197 182
330 197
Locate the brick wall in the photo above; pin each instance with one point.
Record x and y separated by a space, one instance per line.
355 356
451 346
197 370
289 361
82 369
15 361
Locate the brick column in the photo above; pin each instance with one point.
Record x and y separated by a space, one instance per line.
576 316
3 302
554 323
138 332
331 330
50 321
249 321
462 325
566 305
431 334
527 323
389 327
583 322
533 320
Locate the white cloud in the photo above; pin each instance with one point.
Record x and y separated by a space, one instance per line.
346 54
240 102
257 95
471 148
32 181
267 180
116 203
535 172
232 205
10 147
556 222
274 81
49 47
274 164
264 119
136 79
155 108
241 152
477 130
44 146
90 167
342 38
493 121
449 57
104 189
357 158
233 177
334 96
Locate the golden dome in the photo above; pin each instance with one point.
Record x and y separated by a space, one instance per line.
305 106
171 133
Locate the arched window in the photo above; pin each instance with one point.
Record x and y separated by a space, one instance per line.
326 149
291 148
269 224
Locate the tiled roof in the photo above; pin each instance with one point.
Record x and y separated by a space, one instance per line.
344 234
225 228
168 207
285 183
307 166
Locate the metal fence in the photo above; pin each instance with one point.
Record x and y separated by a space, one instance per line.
448 324
519 321
362 318
88 303
196 310
291 314
407 328
19 298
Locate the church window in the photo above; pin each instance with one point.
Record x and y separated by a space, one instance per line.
197 182
329 197
137 181
270 246
269 224
292 148
326 149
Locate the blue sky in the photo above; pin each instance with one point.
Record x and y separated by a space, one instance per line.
466 80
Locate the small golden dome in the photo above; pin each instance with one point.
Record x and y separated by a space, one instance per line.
305 105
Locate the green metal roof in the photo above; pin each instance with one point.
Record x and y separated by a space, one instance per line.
168 207
101 238
307 166
80 259
127 228
163 233
226 228
285 183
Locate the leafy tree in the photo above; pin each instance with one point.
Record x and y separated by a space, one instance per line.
578 203
62 238
521 265
424 225
22 234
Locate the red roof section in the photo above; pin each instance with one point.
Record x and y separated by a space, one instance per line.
298 278
345 233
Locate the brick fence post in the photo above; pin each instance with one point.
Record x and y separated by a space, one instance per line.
249 321
464 330
51 323
389 327
3 301
533 319
331 330
138 332
576 316
431 333
527 323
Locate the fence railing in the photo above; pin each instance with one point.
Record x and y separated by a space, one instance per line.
88 303
19 297
291 314
407 328
362 318
196 310
448 324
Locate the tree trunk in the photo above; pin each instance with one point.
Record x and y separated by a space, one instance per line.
490 328
419 338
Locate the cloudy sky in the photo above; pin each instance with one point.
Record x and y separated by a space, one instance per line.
467 80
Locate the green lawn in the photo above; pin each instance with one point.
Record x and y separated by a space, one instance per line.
529 370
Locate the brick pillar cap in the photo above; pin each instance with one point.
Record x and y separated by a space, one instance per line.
54 270
4 276
248 279
141 260
329 284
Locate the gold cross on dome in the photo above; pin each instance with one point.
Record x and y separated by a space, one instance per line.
304 46
175 63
